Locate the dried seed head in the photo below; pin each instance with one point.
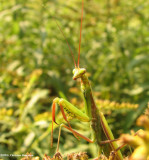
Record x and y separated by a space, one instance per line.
143 121
77 156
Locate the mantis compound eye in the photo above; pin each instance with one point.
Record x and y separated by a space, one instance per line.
74 70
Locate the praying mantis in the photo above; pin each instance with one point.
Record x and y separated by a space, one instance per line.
95 117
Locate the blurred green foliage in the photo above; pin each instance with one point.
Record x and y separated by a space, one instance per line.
36 66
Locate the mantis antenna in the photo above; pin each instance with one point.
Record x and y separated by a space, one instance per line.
80 32
67 43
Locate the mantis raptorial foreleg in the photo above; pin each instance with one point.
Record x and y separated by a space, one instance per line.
72 111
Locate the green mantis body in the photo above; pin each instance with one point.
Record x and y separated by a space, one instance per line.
92 114
96 118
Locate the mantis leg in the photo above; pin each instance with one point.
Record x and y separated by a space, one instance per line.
76 133
64 116
65 106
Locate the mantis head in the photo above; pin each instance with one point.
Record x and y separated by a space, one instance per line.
78 73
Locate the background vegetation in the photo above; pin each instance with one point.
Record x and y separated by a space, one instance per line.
36 66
